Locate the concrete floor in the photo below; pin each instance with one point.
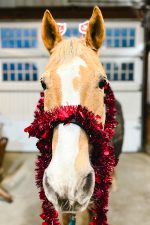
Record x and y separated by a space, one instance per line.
129 205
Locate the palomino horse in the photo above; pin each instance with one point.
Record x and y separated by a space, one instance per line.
74 76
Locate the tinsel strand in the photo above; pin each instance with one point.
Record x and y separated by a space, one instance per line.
102 159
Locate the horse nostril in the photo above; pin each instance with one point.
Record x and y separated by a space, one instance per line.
76 205
46 181
88 182
48 186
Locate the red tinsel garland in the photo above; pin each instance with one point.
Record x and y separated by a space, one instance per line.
102 158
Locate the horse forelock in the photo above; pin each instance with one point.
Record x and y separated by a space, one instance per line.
67 49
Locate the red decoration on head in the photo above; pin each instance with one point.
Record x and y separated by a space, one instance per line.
103 159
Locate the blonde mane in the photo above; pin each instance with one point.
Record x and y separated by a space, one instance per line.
68 49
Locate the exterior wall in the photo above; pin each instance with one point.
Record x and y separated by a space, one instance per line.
22 61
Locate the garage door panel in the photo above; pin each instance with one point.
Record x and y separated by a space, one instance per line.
23 58
18 105
132 136
18 139
131 103
131 107
15 116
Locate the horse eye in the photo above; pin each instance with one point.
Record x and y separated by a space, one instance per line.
43 84
102 83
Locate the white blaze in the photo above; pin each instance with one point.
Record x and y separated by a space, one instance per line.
67 72
62 166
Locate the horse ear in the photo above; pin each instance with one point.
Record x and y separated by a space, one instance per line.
50 31
96 30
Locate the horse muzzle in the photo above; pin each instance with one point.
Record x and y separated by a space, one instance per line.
71 199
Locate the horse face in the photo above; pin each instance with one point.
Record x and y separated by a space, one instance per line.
74 76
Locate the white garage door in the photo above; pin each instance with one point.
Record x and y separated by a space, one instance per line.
23 58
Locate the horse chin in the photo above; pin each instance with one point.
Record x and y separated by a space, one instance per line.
78 210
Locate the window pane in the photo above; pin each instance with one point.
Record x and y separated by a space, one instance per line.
124 32
26 66
132 43
131 66
115 76
75 32
19 76
19 66
123 76
27 77
34 43
5 77
132 32
131 76
124 66
11 43
117 32
124 43
109 43
67 34
108 66
115 66
116 43
108 31
4 44
26 44
12 77
34 33
12 66
4 66
19 44
35 76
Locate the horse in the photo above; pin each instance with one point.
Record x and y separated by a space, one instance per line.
74 75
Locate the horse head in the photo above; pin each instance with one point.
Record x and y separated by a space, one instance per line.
74 76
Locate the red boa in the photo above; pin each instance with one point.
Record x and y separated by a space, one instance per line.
102 158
